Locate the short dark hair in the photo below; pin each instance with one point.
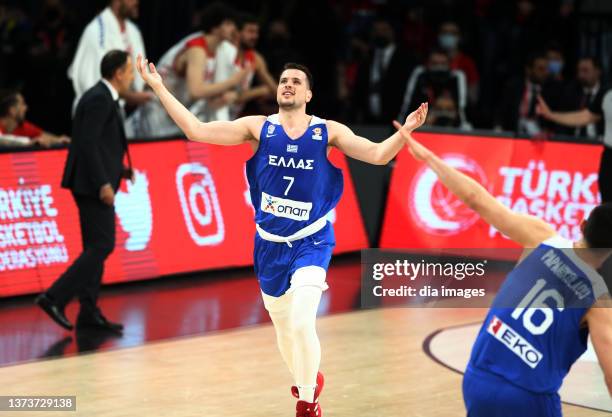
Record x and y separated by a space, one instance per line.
8 98
596 61
112 61
304 69
598 227
214 14
246 19
533 57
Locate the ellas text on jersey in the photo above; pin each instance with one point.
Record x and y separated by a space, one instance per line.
282 207
289 162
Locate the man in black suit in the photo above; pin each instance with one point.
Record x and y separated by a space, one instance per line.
93 172
517 104
378 90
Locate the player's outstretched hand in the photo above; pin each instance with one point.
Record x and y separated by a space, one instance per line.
416 118
417 150
150 74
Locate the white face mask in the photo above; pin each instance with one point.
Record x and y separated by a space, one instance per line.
448 41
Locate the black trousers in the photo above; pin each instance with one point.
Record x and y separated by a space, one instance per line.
605 175
84 276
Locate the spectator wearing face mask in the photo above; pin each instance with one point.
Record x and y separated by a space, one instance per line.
556 62
433 80
449 39
377 97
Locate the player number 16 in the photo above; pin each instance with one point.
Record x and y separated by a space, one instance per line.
531 300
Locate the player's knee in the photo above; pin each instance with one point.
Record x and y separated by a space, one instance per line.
303 327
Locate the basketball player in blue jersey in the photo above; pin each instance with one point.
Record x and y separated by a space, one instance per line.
293 187
540 319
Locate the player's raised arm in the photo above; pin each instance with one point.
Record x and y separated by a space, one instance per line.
218 132
599 319
528 231
360 148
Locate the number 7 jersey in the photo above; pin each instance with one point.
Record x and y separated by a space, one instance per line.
533 332
292 183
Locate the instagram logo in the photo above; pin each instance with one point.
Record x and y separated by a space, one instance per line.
200 204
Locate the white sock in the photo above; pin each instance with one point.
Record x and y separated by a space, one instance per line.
306 393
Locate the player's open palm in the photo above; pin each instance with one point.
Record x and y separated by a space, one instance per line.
148 72
416 118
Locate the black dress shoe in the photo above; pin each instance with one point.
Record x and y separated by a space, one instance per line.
53 311
98 321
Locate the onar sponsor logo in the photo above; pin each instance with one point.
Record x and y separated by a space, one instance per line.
282 207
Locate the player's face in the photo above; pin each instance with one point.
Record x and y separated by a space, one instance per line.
227 29
129 9
125 75
293 89
587 73
249 35
539 71
20 109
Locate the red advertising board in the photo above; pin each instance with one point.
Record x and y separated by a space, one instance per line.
188 209
552 180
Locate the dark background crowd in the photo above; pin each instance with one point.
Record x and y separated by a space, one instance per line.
479 63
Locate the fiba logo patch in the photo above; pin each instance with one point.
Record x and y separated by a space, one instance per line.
436 209
317 133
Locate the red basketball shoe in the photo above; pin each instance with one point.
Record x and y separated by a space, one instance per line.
320 382
304 409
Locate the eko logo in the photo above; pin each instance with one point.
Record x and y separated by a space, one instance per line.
437 210
200 204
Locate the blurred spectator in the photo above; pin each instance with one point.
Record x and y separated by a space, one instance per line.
51 48
449 39
556 62
248 58
443 113
585 92
434 80
52 30
189 69
377 98
15 130
593 114
15 37
278 49
111 29
517 105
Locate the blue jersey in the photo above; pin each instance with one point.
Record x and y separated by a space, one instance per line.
533 332
292 182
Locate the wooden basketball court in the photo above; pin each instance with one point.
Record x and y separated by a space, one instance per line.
374 362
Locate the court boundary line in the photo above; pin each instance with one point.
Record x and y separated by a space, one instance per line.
426 345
